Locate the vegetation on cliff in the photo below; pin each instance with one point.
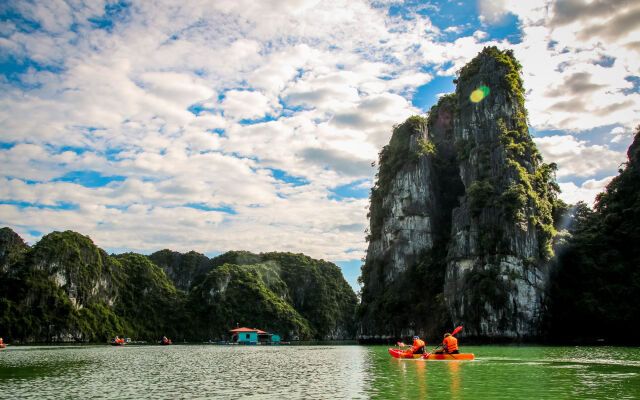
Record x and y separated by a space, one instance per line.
182 269
316 289
64 288
58 290
229 294
531 188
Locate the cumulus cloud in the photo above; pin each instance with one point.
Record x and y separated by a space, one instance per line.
578 158
606 18
587 192
492 11
338 161
576 83
239 104
621 134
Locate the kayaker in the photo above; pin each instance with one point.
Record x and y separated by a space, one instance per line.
418 346
0 340
164 339
449 345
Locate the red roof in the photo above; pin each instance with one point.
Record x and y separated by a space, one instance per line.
243 329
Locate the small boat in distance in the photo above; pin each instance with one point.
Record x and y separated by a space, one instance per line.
165 341
118 341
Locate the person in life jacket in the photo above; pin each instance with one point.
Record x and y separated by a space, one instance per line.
164 339
0 340
418 346
449 345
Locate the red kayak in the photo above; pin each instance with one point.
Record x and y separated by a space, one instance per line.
399 353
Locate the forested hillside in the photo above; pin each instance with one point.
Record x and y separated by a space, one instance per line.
66 289
596 277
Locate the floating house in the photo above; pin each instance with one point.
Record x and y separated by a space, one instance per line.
253 336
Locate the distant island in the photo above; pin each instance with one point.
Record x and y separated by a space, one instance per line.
65 289
466 228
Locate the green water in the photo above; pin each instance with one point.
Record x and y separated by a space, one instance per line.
315 372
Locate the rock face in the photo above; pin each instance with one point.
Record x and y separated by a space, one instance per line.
182 269
11 248
461 221
83 271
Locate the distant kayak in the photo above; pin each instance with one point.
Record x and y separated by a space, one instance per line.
398 353
2 345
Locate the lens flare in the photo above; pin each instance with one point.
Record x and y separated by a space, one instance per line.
479 94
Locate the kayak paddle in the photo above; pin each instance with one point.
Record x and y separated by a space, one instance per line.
425 356
401 344
458 329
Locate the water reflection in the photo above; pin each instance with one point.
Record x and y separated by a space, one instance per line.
421 370
454 377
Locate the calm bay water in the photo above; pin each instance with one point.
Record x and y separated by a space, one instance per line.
315 372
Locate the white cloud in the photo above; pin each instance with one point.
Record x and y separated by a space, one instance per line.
587 192
240 104
179 88
621 134
492 11
577 157
480 35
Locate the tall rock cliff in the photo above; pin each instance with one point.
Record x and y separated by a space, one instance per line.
461 215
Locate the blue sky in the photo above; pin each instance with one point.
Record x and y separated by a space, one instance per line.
243 125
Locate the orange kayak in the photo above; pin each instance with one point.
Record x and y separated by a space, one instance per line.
398 353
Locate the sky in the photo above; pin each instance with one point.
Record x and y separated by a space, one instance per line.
253 125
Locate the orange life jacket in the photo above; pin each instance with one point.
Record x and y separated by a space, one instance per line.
417 345
450 344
